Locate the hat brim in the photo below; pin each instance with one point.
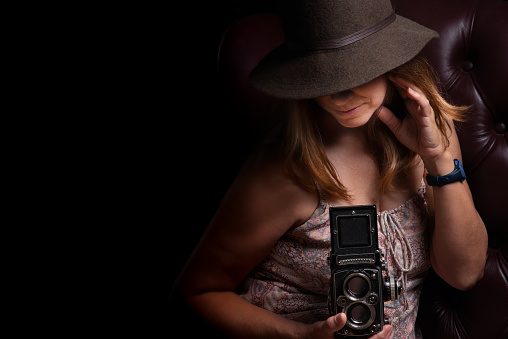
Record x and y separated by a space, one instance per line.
287 74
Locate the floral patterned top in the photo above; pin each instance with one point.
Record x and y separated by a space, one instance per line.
293 280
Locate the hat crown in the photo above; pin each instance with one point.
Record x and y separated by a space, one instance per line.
321 20
334 45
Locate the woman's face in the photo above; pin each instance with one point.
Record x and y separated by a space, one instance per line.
354 107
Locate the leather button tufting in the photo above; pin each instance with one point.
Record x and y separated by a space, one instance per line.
467 65
500 128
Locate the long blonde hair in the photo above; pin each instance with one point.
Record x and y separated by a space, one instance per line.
301 145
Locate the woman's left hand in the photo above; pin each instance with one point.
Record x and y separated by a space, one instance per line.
417 130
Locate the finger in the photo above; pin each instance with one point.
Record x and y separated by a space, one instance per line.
407 90
404 84
416 101
401 88
335 322
389 119
419 97
419 107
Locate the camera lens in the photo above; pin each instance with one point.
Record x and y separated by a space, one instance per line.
358 286
359 314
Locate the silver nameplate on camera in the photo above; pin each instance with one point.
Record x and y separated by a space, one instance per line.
364 258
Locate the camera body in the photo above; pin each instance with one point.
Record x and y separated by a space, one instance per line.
357 285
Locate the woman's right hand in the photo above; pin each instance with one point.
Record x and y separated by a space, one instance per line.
327 328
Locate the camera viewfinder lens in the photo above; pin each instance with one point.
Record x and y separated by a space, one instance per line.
358 286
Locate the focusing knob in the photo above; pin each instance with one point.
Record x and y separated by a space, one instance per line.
391 288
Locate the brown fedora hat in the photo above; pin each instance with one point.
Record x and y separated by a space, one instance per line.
334 45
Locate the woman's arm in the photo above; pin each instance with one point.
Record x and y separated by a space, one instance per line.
261 205
250 219
458 244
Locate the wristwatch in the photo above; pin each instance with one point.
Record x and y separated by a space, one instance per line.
456 175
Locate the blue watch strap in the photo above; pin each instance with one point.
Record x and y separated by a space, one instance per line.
456 175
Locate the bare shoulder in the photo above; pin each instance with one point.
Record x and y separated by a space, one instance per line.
260 206
262 189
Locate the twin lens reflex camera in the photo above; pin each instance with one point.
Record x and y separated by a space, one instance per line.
357 285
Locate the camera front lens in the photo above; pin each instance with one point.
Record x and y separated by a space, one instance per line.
358 286
359 314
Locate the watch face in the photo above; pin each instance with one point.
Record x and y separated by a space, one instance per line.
458 165
462 173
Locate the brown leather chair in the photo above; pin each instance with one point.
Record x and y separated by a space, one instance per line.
471 58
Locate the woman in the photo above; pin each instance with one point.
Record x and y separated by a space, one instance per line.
363 124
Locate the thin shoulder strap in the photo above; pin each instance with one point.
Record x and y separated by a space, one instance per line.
322 200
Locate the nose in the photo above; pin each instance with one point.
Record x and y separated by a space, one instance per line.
341 97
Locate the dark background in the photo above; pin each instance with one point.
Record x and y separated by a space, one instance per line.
208 140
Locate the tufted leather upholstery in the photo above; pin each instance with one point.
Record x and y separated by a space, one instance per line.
471 58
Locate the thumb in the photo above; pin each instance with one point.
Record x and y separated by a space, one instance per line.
335 322
388 118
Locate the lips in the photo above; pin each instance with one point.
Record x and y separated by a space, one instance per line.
349 111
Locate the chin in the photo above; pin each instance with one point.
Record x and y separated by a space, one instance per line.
354 123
